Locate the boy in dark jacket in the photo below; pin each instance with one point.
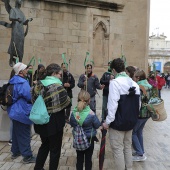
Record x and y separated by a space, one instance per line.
68 83
107 76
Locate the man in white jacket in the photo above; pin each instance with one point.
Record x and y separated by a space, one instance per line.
123 109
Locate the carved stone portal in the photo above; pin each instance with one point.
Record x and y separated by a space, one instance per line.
101 33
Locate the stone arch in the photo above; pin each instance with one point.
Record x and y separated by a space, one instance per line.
105 25
167 64
167 67
101 41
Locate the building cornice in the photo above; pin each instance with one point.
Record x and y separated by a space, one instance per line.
162 53
101 4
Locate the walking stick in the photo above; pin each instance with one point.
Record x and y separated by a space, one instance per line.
17 58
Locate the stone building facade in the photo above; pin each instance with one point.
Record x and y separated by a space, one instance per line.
159 52
75 27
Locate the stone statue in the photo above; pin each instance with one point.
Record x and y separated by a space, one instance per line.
16 47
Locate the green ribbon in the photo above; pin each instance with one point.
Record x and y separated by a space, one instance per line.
39 60
64 60
17 60
86 60
32 61
123 58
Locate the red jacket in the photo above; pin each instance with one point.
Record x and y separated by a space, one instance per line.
161 82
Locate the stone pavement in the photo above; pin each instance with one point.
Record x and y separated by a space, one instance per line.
156 142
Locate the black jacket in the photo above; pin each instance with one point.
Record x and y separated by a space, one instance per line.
105 80
68 78
56 123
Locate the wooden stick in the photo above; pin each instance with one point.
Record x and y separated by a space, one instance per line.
15 50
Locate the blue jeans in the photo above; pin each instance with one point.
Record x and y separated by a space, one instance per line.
21 139
137 136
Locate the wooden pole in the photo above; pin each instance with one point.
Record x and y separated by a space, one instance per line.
15 50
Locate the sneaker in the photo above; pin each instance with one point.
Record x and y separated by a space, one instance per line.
139 158
134 153
10 142
30 159
14 156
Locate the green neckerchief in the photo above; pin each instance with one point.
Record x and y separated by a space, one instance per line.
82 115
51 80
144 83
121 74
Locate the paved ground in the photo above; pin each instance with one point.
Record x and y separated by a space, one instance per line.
156 139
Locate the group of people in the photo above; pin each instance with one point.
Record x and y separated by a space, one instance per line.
122 90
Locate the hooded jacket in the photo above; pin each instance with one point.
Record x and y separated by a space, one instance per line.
123 103
90 124
21 107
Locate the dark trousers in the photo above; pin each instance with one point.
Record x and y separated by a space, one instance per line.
21 139
87 154
50 144
67 113
159 93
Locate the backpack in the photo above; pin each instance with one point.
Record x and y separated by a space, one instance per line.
80 141
6 93
39 114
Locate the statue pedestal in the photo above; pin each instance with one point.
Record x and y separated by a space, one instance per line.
4 125
5 122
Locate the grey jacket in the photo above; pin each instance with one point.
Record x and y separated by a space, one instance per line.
92 84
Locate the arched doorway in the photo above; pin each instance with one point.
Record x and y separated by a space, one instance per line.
167 67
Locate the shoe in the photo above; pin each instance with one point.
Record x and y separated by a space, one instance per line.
139 158
134 153
30 159
14 156
10 142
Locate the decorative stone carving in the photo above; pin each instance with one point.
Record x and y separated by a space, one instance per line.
104 23
101 32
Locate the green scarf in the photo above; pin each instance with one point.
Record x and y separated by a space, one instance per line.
51 80
144 83
121 74
82 115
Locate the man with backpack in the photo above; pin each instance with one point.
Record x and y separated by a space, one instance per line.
19 113
123 109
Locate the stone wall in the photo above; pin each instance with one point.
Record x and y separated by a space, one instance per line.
57 28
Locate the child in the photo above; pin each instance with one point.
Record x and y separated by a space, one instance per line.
90 124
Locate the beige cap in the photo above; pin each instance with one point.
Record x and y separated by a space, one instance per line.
18 67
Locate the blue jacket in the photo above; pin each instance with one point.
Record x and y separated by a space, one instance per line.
21 107
91 122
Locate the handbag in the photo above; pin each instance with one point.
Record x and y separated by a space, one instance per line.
159 110
39 114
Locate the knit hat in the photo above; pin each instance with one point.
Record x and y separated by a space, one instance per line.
18 67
